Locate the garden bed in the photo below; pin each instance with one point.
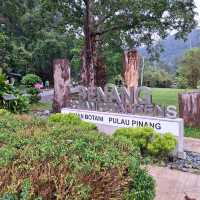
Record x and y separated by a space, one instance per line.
41 159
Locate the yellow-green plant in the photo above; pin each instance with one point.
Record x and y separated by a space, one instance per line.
140 137
149 141
162 145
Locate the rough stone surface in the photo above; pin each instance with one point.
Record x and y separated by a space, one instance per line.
191 144
46 96
42 113
174 185
189 108
61 84
191 163
131 68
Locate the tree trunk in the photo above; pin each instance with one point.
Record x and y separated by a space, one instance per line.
100 72
61 84
93 70
189 108
131 64
88 69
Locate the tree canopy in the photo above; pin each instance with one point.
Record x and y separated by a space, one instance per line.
39 31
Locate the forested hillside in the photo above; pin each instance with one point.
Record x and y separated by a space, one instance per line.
175 49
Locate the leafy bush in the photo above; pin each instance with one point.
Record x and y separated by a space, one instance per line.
148 141
181 82
3 111
47 160
65 118
143 183
162 144
34 95
19 104
140 137
70 119
30 79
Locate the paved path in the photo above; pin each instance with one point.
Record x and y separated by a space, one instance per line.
191 144
46 95
173 184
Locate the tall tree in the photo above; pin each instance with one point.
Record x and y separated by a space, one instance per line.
189 69
132 22
31 38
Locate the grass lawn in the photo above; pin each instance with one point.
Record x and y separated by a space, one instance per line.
166 96
169 96
192 132
41 106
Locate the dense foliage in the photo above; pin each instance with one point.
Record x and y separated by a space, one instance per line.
30 79
157 77
188 73
64 159
148 141
18 103
31 38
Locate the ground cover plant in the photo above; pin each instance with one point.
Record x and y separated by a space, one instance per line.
41 106
65 158
169 96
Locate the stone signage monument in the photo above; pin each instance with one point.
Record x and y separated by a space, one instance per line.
131 63
114 107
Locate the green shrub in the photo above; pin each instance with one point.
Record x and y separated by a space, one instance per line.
65 118
3 111
148 141
142 187
30 79
70 119
18 105
140 137
162 144
34 95
51 160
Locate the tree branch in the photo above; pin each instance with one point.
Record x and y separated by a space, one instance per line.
114 28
